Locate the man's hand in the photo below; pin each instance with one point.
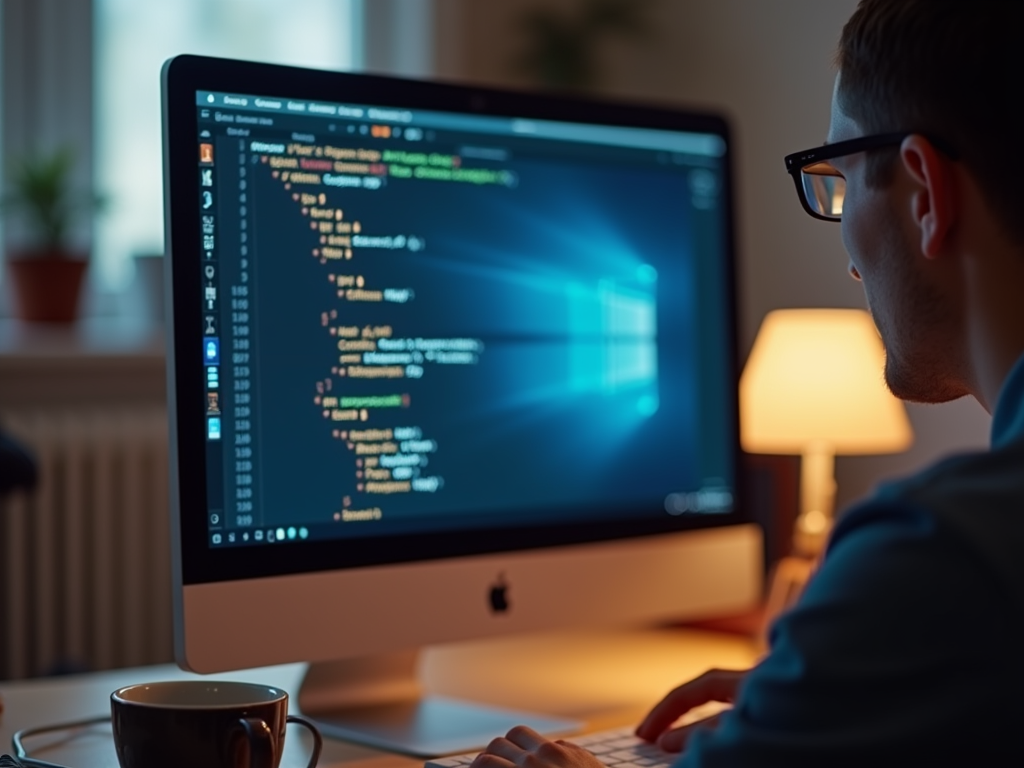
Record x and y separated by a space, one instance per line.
525 748
714 685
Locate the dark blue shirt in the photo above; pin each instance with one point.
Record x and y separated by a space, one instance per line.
907 647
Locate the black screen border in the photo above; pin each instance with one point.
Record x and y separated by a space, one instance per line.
199 563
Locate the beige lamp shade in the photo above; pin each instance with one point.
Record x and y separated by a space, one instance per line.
815 377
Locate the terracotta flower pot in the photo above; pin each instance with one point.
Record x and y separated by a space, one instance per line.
47 286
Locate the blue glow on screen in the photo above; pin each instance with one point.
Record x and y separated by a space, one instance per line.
581 283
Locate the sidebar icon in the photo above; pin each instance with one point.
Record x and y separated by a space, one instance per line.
211 342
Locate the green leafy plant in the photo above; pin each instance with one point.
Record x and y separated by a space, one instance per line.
40 190
562 51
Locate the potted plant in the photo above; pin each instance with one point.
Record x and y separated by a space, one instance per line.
47 273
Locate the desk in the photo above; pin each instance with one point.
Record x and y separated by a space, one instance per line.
603 678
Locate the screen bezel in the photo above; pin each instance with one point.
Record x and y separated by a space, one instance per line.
196 561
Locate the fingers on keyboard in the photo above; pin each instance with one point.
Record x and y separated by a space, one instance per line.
618 748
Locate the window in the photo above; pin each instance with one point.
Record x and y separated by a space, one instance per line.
133 39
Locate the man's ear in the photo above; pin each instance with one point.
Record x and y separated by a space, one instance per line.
933 205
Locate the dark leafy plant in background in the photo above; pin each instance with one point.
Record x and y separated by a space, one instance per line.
562 51
40 190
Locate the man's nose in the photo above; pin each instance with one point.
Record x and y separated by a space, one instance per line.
854 273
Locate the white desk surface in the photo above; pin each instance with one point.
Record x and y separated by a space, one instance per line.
603 678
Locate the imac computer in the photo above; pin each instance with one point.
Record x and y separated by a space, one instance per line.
443 363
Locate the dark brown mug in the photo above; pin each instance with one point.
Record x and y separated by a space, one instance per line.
203 724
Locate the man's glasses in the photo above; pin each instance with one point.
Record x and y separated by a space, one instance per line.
821 187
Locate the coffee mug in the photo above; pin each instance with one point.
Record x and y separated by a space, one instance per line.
203 724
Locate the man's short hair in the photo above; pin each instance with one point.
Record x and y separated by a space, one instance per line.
953 69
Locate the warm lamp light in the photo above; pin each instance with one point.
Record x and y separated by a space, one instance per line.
813 386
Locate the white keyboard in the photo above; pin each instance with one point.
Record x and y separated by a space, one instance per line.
618 748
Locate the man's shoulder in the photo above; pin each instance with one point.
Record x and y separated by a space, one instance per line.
984 480
972 504
915 616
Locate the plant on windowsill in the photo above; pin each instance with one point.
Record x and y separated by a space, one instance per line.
47 273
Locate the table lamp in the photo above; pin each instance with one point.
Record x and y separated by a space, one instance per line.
814 387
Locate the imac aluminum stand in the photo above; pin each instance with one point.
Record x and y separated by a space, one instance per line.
378 701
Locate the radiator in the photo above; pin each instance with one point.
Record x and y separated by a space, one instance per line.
84 559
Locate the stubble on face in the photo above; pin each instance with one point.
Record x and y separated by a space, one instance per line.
916 323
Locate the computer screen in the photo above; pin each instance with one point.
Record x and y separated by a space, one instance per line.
436 324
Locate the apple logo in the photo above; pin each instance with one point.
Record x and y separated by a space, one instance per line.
499 595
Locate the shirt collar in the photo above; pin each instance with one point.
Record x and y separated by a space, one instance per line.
1008 419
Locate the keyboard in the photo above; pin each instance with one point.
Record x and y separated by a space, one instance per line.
617 747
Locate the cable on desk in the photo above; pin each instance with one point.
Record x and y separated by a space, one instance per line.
21 754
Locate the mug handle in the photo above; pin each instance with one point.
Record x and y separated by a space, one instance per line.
261 742
318 741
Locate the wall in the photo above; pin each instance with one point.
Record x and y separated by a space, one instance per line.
768 65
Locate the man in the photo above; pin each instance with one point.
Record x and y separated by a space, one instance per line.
907 648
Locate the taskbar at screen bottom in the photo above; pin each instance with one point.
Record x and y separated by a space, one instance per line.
366 523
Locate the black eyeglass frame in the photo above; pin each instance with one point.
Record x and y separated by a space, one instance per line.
796 162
